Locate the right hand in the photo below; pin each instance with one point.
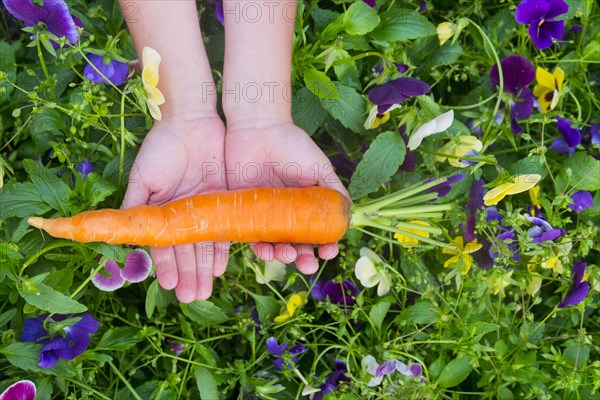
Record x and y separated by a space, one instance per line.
177 159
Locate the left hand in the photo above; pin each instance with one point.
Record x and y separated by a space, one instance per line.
275 153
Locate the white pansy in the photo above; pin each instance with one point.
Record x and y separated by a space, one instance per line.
371 270
436 125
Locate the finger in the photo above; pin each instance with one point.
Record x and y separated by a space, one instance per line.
186 269
285 252
328 251
205 254
221 258
306 261
166 266
264 251
136 193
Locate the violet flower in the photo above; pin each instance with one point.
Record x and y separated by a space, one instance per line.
110 279
332 381
580 288
176 347
542 230
540 15
279 350
571 137
410 159
379 371
517 73
582 199
445 187
591 135
137 268
341 293
505 240
474 206
396 91
55 14
21 390
115 71
60 341
85 168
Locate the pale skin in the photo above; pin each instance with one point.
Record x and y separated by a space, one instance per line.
259 131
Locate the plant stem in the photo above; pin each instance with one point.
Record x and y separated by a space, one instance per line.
44 68
122 154
125 381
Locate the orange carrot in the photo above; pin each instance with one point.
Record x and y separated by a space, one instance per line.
296 215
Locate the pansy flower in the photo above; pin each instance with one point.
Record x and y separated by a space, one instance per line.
332 381
473 207
501 280
379 371
436 125
540 15
374 119
571 137
176 347
549 87
457 148
137 268
517 74
67 337
396 91
115 71
85 168
519 184
542 230
445 187
21 390
505 246
591 135
294 302
372 271
582 199
54 14
285 359
341 293
580 288
151 61
461 254
445 31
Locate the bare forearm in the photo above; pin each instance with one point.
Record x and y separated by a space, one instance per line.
172 29
258 57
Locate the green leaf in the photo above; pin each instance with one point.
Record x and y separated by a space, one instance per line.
529 165
307 111
420 313
320 84
266 306
158 298
25 356
94 189
360 19
51 188
204 313
456 371
7 315
400 24
47 119
47 299
378 313
7 65
379 163
585 173
207 386
121 338
349 109
21 200
577 353
111 251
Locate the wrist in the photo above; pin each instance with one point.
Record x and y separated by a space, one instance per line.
249 101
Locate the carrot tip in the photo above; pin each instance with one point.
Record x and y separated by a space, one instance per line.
38 222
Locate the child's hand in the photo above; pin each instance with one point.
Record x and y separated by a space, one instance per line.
177 159
263 153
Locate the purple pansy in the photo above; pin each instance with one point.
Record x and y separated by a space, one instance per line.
176 347
582 199
55 14
344 164
396 91
445 187
410 159
475 205
422 6
110 279
85 168
378 68
571 137
332 381
517 73
21 390
505 240
279 351
540 14
115 71
342 293
542 230
371 3
379 371
580 287
65 342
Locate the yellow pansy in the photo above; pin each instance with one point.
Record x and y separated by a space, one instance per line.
534 195
549 87
459 147
375 119
500 282
519 184
554 263
151 60
462 254
294 302
408 241
445 31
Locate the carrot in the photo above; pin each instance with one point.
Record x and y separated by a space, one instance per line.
296 215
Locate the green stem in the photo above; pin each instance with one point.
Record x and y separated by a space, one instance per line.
125 381
412 235
122 154
34 257
89 278
482 102
414 210
400 195
358 57
44 68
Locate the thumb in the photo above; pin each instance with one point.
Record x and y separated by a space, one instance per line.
135 195
329 178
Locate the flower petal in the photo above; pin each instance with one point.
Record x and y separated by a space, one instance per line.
529 10
572 135
274 348
575 295
523 183
397 91
33 330
578 272
545 79
582 199
386 368
517 72
385 283
138 266
436 125
113 281
150 57
21 390
556 8
370 364
60 21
